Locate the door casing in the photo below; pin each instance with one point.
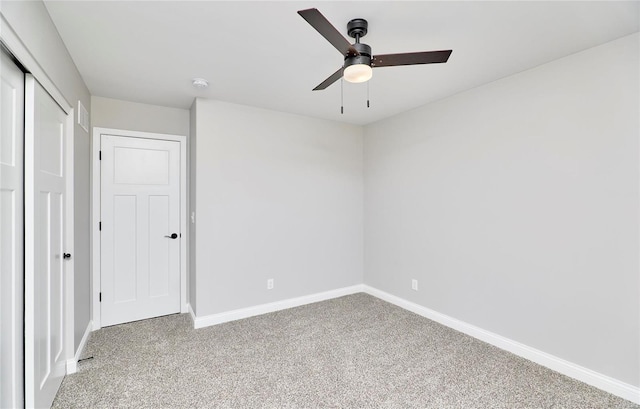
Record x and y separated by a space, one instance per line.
95 213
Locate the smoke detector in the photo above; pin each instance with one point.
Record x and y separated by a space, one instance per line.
200 83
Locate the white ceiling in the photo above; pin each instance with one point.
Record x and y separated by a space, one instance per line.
265 55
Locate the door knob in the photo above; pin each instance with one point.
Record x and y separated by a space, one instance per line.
66 256
173 236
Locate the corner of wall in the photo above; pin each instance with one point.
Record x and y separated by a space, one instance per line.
192 201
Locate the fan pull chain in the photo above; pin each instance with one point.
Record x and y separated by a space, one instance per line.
342 96
368 93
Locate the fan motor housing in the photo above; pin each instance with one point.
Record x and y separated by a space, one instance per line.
363 58
362 48
357 59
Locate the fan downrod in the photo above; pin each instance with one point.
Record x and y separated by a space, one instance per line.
357 28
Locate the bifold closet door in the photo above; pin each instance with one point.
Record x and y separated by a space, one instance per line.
45 184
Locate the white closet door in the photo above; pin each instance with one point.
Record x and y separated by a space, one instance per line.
11 237
140 236
45 135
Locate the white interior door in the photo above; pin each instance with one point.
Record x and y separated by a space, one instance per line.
11 232
45 135
140 211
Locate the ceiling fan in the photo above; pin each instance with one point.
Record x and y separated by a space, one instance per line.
358 60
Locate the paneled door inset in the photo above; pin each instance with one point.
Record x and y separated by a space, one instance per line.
140 228
45 184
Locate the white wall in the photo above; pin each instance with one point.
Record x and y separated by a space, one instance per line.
133 116
515 205
31 23
278 196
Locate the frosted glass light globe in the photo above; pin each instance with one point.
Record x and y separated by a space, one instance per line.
358 73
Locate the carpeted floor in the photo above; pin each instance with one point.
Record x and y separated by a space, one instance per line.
351 352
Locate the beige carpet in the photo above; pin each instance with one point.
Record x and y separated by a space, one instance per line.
351 352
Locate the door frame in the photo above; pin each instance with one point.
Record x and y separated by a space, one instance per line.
95 213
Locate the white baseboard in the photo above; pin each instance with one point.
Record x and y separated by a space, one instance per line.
72 364
214 319
570 369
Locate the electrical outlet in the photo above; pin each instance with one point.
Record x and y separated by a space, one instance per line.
270 284
414 285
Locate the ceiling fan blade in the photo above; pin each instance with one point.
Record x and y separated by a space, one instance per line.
328 31
425 57
332 78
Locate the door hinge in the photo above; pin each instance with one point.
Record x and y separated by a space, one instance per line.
100 226
99 155
100 297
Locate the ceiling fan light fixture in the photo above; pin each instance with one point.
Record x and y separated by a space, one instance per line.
357 73
357 68
358 59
